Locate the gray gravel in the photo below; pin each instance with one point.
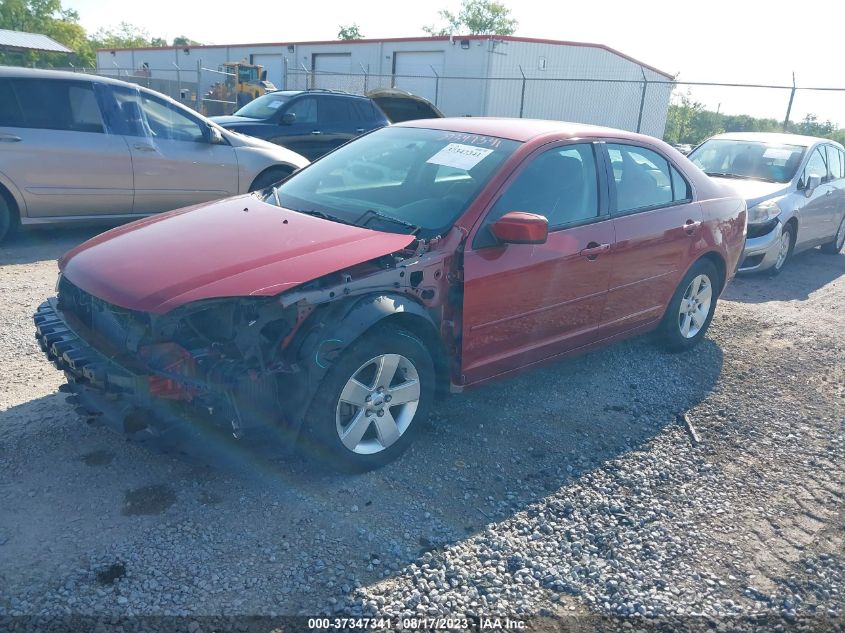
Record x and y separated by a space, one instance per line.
571 490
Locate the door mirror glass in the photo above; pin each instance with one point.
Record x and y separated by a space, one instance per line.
813 181
289 118
215 136
520 227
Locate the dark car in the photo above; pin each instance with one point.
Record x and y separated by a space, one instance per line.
310 122
426 256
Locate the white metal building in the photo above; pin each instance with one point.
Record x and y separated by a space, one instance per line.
464 75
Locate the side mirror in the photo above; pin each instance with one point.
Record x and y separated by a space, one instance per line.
519 227
813 181
215 136
289 118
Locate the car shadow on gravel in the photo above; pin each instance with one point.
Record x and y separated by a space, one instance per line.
34 244
487 455
803 275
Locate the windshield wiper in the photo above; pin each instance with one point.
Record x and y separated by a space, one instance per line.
378 214
722 174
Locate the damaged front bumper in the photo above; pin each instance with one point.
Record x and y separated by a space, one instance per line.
113 390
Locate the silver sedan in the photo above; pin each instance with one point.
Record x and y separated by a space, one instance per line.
794 187
81 147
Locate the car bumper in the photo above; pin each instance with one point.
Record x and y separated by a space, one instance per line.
116 395
761 252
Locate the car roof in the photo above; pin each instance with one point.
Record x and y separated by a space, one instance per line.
39 73
774 138
337 93
524 129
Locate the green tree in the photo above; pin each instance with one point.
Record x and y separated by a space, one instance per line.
811 126
680 118
351 32
48 18
476 17
125 35
181 41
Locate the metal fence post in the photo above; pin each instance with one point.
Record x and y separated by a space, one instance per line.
522 96
436 84
366 77
642 101
789 106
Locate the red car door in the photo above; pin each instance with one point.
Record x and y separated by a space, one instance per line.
656 225
526 302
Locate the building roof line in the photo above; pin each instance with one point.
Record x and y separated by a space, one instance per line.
23 41
435 38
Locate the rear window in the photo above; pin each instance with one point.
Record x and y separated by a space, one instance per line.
50 105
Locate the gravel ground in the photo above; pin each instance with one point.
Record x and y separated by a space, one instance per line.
706 487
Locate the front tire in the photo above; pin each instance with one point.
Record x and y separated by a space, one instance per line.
834 247
691 308
372 403
787 242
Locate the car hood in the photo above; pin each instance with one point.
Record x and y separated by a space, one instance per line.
400 106
232 120
234 247
755 191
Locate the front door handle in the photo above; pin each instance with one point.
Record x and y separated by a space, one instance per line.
691 226
316 132
593 250
360 130
144 148
9 138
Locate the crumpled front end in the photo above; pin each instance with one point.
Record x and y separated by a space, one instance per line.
200 371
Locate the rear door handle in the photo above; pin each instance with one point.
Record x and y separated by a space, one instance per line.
316 132
593 250
360 130
690 226
144 148
9 138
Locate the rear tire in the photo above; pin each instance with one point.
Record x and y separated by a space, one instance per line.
691 309
834 247
8 219
270 177
359 437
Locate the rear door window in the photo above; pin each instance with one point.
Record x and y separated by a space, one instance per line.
11 114
641 177
51 105
834 163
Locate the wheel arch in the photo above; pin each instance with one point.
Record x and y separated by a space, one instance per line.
281 167
12 198
718 261
332 328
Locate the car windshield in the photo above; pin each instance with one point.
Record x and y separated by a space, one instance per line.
397 179
264 106
771 162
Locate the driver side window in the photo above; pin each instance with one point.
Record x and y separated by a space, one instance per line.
167 123
816 166
560 184
305 110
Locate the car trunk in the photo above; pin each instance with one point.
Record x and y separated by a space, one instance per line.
399 106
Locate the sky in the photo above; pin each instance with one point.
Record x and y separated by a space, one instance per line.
739 41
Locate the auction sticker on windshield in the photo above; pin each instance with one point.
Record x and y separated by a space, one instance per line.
459 156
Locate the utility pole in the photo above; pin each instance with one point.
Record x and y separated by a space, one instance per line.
789 107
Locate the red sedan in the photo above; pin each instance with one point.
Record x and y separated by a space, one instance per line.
328 310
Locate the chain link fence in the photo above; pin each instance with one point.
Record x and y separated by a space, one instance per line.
195 87
698 109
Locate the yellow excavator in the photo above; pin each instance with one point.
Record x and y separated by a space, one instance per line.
243 82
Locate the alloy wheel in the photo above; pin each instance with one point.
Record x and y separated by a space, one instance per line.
378 404
695 306
783 249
